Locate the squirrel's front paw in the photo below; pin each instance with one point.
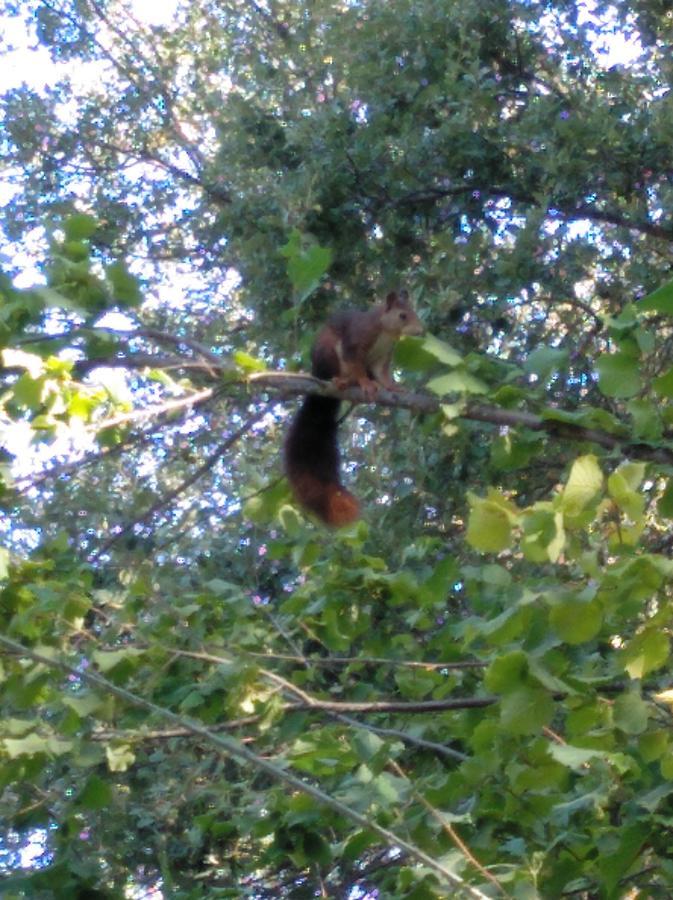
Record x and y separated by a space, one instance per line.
369 388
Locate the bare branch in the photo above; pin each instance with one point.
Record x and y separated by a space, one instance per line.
159 409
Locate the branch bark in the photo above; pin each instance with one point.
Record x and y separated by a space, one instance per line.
292 385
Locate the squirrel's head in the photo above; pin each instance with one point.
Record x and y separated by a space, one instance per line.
399 317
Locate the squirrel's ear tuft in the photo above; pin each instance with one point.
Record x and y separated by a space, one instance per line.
391 300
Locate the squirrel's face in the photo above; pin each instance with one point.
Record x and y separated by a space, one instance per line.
399 318
409 322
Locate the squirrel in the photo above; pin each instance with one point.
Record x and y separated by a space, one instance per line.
354 347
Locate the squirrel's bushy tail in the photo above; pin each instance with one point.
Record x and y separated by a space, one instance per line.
312 462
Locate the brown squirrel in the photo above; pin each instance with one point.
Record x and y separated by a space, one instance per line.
353 348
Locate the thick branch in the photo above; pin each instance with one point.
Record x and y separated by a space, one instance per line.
291 385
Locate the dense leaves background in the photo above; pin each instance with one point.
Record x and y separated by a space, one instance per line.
467 693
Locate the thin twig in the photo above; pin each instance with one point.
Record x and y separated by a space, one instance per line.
449 829
159 409
307 701
167 733
405 738
366 660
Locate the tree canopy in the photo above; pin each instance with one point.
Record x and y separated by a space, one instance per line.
466 693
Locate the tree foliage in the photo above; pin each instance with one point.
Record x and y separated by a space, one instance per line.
464 694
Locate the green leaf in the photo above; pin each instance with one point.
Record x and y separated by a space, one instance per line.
126 291
409 354
663 385
4 563
651 800
305 264
119 757
507 672
29 392
574 757
512 451
389 788
660 300
79 226
358 843
614 866
54 299
630 713
106 660
526 710
647 424
489 528
665 504
77 251
441 351
547 679
646 652
545 362
96 793
575 620
666 766
83 704
439 585
248 363
366 744
544 536
588 417
583 486
653 745
618 375
316 848
623 485
34 744
458 382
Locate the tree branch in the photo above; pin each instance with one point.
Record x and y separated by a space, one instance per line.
292 385
154 410
568 211
165 734
154 335
366 660
450 830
